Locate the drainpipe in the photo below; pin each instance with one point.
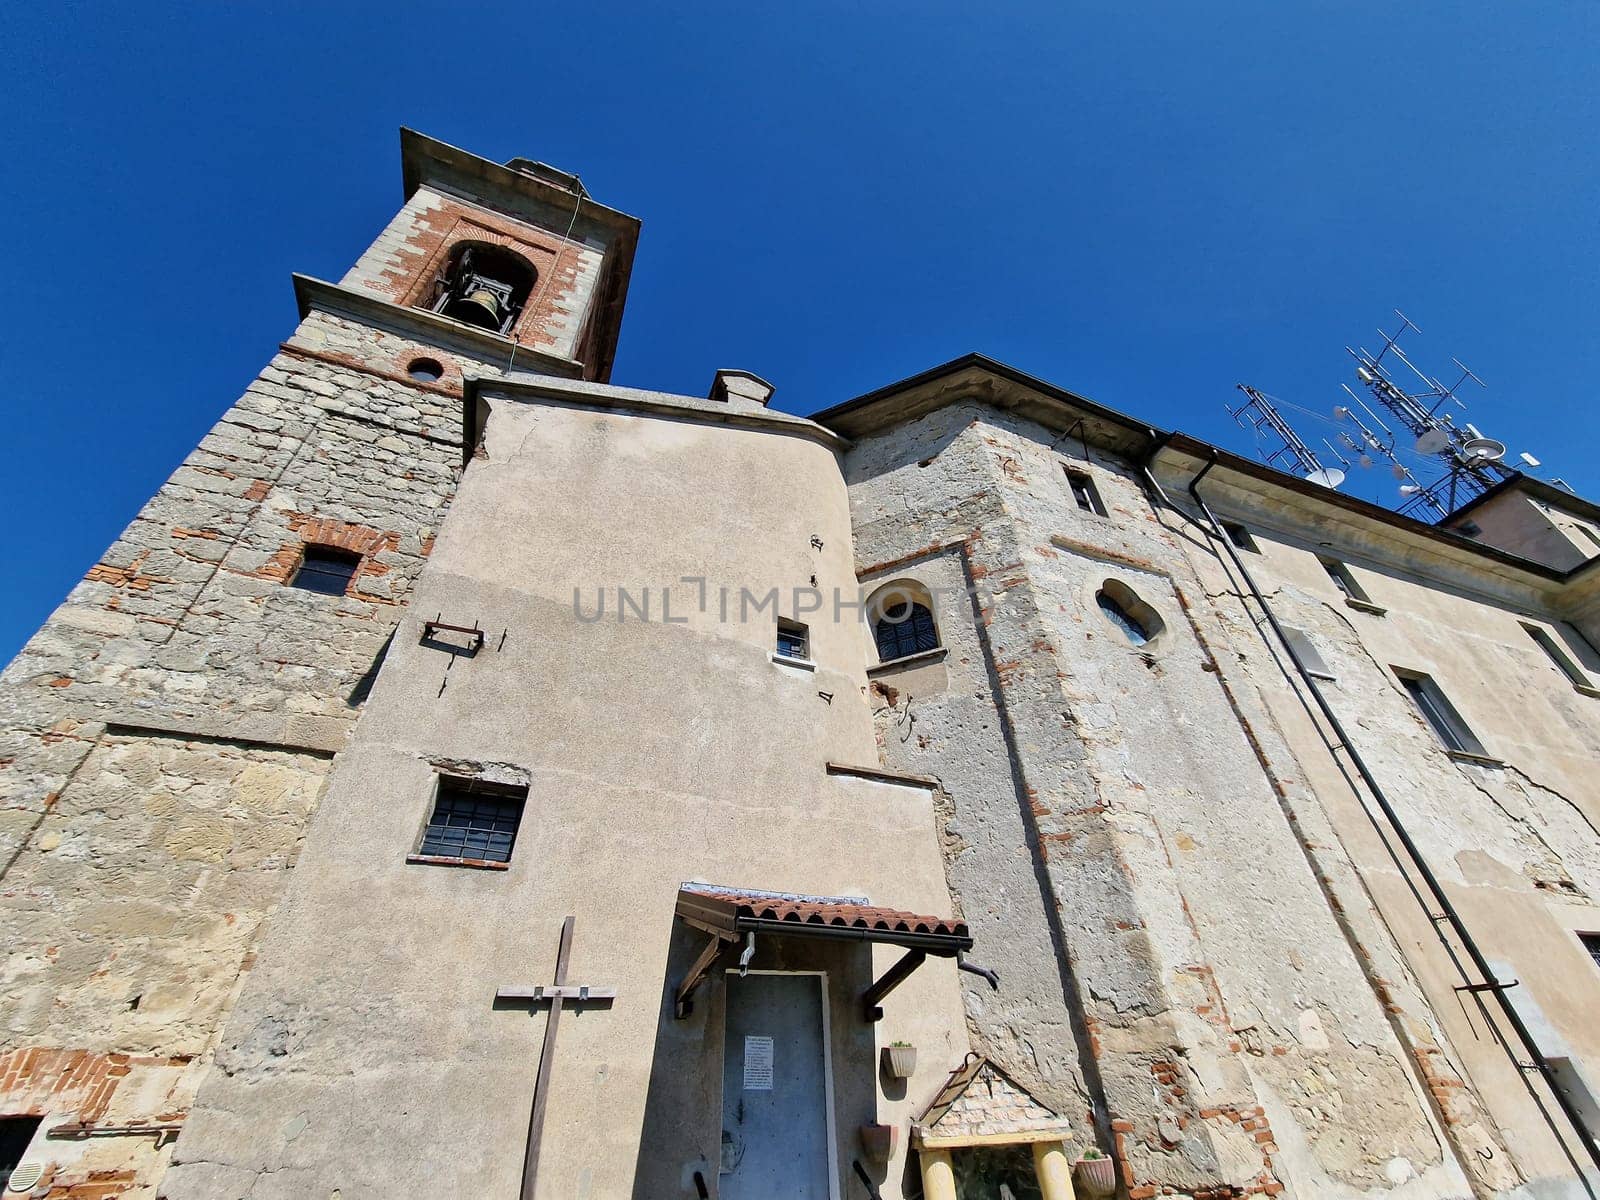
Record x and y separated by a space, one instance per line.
1447 910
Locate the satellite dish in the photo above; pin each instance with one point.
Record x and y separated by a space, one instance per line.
1433 441
1398 471
1328 477
1482 449
1409 489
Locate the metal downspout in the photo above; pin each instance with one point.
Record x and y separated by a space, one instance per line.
1435 888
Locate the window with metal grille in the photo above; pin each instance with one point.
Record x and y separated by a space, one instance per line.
1439 712
904 628
326 569
473 820
1240 536
1591 943
1084 492
794 640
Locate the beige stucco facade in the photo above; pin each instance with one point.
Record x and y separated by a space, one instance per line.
1201 921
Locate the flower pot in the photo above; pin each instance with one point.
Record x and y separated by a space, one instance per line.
899 1061
877 1141
1098 1176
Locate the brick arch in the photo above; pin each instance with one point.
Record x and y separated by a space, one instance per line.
312 530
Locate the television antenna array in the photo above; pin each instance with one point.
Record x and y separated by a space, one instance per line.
1457 461
1471 463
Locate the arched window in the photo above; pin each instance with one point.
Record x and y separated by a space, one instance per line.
483 285
902 620
1139 623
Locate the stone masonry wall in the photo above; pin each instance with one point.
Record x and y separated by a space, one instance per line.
167 732
1207 997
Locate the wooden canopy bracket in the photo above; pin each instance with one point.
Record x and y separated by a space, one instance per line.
892 978
683 1004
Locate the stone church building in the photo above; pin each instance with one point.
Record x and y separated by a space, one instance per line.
469 778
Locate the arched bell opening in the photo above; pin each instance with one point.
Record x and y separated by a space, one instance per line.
483 285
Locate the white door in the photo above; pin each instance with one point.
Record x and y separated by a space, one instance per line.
775 1121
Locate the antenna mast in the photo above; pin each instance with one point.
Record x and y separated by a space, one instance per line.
1259 413
1473 463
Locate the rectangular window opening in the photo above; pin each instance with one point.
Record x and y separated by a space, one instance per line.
1344 580
327 570
794 640
1446 722
473 820
1557 654
1239 535
1084 492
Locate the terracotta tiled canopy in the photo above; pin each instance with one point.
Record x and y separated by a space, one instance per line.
733 911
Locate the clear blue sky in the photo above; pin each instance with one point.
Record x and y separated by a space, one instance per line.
1144 203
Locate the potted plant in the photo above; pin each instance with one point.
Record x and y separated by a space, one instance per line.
1096 1172
877 1141
899 1060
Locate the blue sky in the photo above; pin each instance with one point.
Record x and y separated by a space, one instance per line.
1144 203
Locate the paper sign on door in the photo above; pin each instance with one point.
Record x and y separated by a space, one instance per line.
757 1064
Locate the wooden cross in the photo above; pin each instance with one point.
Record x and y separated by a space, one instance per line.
554 994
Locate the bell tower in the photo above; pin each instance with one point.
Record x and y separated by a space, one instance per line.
515 266
178 713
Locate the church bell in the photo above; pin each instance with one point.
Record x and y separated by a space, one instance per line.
478 306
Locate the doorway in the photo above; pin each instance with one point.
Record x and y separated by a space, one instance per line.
777 1091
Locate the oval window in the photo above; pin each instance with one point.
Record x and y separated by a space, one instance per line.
1139 623
428 370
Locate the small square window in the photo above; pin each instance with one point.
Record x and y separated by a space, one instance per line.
326 569
1084 492
1437 710
794 640
1240 536
473 820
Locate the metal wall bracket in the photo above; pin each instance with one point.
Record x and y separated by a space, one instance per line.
892 978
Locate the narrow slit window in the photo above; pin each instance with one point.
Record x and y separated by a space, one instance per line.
473 821
326 569
1084 493
1344 580
1239 535
1306 651
794 640
1558 656
1440 714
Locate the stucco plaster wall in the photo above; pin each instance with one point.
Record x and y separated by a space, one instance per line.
656 753
1513 840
